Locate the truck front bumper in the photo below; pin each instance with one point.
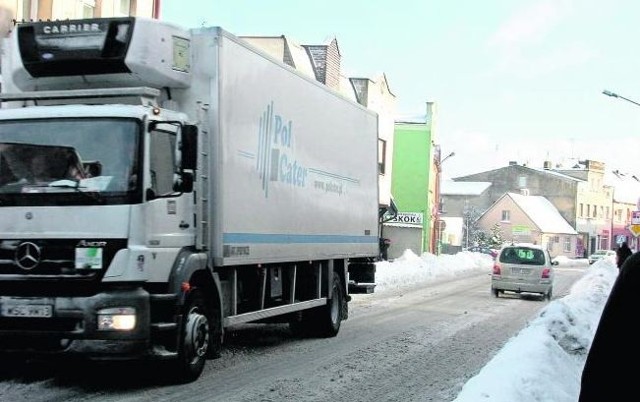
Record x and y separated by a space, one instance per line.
70 325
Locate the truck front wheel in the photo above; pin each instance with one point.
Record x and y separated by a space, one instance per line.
194 339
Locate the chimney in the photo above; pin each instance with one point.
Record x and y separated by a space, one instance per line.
332 69
546 165
513 163
524 191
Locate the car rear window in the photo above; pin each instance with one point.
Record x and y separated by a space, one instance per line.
522 255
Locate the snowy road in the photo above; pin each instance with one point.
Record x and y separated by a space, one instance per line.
418 344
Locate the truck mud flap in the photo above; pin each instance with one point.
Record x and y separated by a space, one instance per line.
362 276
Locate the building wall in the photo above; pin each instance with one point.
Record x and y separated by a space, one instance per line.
457 204
620 224
593 195
454 207
521 229
555 244
626 200
411 168
382 101
561 192
70 9
403 238
518 219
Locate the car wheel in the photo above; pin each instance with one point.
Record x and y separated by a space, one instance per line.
496 292
549 294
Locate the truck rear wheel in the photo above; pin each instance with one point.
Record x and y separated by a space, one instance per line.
327 319
321 321
194 339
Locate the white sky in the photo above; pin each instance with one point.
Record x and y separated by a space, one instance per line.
512 80
544 361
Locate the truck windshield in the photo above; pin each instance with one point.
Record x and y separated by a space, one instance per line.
67 161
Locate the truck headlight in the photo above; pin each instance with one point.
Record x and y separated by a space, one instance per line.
117 319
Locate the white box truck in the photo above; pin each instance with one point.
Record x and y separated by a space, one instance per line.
160 185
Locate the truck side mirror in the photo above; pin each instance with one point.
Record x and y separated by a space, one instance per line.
184 184
189 147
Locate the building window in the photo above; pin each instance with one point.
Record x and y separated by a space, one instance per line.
382 155
556 239
581 210
566 245
594 212
522 182
506 215
608 212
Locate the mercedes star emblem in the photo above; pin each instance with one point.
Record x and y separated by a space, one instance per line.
27 255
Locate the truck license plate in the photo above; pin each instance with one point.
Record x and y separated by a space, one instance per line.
26 310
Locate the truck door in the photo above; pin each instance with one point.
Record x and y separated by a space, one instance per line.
169 220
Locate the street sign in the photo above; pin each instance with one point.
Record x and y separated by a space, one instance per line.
411 218
635 223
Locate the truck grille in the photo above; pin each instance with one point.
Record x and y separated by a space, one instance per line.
53 260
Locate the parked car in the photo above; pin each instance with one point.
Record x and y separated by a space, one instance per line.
523 268
484 250
600 254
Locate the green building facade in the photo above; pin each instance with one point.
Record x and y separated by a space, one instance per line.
414 184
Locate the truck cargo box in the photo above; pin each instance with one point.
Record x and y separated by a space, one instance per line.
292 165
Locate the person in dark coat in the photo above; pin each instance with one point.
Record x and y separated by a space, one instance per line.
622 253
610 372
384 248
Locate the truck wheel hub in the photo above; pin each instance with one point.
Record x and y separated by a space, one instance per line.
197 334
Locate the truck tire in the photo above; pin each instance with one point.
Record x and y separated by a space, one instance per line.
328 318
195 338
322 321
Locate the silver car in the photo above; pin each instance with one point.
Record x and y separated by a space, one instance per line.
602 254
523 268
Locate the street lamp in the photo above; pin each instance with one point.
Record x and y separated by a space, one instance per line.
615 95
447 157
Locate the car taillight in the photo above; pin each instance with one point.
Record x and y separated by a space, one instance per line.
496 269
545 273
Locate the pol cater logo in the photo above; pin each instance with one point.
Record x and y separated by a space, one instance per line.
275 161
